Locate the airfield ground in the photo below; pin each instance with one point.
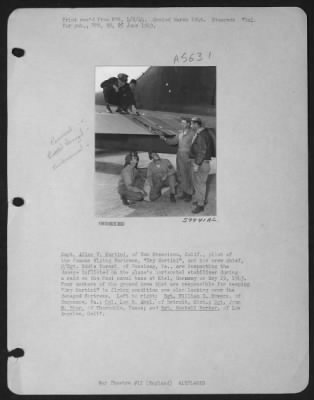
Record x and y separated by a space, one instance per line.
108 203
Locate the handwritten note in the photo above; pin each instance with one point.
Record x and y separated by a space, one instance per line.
66 145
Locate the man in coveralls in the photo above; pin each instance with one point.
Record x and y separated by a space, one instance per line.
160 174
184 141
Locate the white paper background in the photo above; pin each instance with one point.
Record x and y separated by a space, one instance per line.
261 206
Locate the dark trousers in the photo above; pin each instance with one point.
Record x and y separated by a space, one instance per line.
199 179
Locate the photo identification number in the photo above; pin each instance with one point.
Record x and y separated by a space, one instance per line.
185 58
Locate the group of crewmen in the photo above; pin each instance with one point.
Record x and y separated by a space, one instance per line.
188 182
118 91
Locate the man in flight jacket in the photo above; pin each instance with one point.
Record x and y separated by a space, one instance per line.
202 150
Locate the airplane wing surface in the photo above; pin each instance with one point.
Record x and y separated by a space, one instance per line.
116 123
143 123
131 132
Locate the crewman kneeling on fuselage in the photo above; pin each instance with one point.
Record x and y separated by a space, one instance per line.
110 91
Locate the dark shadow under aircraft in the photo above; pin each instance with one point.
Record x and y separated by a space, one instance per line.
163 96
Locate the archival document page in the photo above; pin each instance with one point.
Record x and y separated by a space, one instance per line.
158 212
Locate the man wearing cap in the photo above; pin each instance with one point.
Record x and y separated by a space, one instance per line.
132 107
202 150
125 95
184 141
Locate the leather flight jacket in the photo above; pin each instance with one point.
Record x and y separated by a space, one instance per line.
203 146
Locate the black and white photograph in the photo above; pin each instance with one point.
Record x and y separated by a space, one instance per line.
155 143
157 213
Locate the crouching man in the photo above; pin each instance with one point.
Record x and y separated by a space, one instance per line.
160 174
129 187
